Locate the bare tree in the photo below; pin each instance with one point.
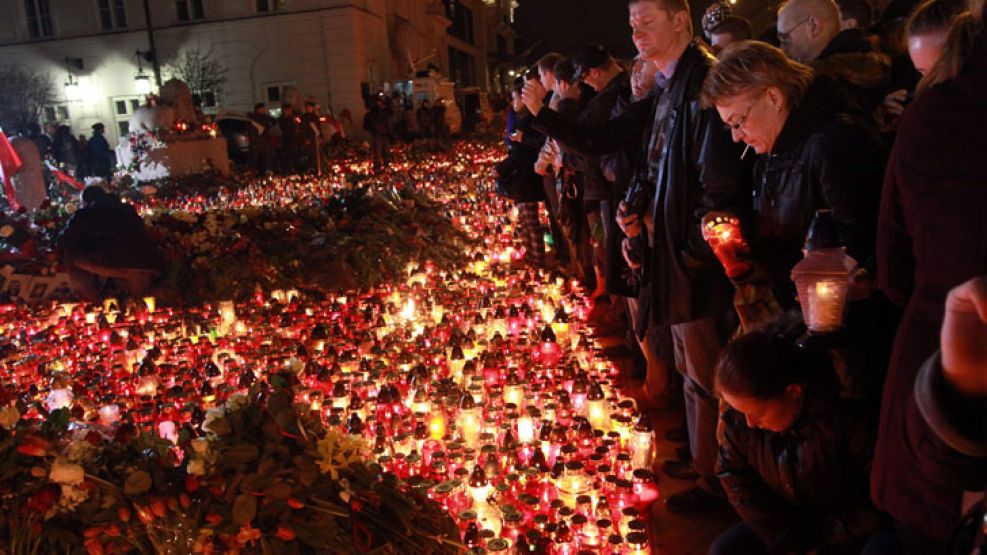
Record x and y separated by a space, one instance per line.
23 96
201 71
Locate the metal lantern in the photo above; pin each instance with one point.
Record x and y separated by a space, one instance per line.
823 277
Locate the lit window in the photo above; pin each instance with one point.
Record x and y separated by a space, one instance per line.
112 15
38 19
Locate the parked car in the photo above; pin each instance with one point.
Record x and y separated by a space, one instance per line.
236 128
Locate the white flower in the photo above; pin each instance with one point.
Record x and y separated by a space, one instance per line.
63 472
9 416
197 467
236 402
213 417
79 451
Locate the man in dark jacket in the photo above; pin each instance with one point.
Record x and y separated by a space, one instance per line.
595 67
261 143
289 124
311 138
99 153
377 122
696 168
106 239
424 118
809 32
919 259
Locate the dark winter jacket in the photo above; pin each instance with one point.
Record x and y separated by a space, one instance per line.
516 177
110 233
698 170
806 486
619 168
932 236
597 112
377 122
866 74
99 155
828 155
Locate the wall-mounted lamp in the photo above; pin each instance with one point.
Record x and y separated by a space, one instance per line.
72 88
142 81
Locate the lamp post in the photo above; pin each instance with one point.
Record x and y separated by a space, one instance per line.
823 279
72 88
153 53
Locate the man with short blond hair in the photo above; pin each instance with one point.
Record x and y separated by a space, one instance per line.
696 168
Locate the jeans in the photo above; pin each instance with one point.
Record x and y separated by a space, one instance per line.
698 345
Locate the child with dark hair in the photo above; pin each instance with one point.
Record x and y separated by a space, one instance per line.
794 457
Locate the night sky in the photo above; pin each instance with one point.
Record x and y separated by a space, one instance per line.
565 25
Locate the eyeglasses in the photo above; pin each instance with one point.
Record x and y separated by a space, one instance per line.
787 35
736 126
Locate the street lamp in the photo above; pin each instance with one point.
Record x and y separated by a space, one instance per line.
72 88
823 278
142 81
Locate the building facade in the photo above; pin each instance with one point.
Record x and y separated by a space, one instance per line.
334 51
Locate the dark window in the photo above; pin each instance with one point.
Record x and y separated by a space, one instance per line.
112 15
121 106
462 20
269 5
38 19
123 128
208 99
189 10
274 94
462 68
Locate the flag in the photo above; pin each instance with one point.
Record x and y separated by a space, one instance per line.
63 177
10 163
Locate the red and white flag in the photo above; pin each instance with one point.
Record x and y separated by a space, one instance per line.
10 163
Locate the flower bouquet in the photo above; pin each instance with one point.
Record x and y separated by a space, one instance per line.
260 475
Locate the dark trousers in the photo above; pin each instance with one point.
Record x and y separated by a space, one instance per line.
552 204
382 151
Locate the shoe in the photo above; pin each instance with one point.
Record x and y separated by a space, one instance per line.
694 501
680 469
684 453
678 434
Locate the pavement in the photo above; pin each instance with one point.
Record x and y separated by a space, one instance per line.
672 534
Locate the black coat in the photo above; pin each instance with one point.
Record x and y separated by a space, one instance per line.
828 155
932 236
100 155
806 486
597 112
516 177
866 74
698 171
110 233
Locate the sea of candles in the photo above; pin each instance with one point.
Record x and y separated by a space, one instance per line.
479 385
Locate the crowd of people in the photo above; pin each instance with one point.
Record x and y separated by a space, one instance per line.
865 130
80 157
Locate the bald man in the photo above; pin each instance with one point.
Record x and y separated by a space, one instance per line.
806 27
809 31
